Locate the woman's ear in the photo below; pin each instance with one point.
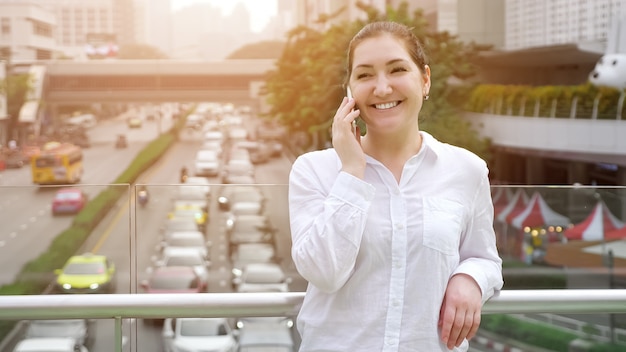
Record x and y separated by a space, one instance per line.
426 77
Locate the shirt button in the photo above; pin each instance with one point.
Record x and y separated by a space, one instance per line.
399 226
396 303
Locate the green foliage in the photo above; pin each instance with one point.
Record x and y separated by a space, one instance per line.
482 99
535 334
270 49
307 85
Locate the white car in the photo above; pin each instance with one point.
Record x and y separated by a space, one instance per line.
262 277
186 239
52 344
265 334
198 334
207 163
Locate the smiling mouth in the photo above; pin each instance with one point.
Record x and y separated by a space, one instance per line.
386 106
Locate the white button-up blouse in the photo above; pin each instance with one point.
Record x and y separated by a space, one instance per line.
378 254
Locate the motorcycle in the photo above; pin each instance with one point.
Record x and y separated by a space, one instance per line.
142 197
183 175
121 142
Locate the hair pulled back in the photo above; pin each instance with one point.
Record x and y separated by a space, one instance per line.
394 29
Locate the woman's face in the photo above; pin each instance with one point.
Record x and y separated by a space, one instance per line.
387 85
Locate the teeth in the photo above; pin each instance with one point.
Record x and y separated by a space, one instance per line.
386 105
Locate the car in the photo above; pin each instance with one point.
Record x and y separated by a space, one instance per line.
238 172
207 163
247 253
178 224
199 334
228 192
247 203
13 159
80 330
51 344
259 152
188 210
262 334
186 239
172 279
190 257
249 229
193 192
135 122
86 273
69 201
262 277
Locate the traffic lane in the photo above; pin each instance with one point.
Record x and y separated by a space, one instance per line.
131 244
28 226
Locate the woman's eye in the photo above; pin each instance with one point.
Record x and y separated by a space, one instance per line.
362 75
398 69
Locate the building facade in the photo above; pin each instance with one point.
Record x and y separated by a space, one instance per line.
26 32
537 23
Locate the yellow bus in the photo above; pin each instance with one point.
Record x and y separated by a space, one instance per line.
57 163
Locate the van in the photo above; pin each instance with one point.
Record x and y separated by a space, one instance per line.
53 344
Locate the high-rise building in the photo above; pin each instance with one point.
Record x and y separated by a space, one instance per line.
156 28
79 21
537 23
480 21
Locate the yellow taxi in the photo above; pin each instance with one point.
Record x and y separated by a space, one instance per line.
86 273
190 209
135 122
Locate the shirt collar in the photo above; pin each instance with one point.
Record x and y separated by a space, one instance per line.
429 142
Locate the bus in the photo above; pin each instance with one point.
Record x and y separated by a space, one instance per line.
57 163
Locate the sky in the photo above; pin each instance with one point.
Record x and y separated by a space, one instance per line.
260 10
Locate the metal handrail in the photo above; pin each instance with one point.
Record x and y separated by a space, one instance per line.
121 306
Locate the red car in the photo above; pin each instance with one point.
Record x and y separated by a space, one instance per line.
69 201
173 279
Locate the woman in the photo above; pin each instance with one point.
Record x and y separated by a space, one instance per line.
392 230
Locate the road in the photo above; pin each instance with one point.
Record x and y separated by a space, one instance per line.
27 225
122 235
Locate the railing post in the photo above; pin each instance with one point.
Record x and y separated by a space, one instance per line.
119 343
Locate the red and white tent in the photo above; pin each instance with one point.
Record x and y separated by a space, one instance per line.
515 205
501 198
537 214
596 226
618 234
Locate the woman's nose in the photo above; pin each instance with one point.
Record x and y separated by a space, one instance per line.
383 87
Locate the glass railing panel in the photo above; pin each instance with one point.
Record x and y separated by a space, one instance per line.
564 238
63 239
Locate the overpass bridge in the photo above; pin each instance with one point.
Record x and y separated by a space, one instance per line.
154 81
58 83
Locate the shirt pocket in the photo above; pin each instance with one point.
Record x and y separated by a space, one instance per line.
442 225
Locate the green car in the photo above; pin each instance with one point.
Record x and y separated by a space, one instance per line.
87 273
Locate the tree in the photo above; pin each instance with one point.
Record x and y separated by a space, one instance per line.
261 50
15 87
307 86
140 52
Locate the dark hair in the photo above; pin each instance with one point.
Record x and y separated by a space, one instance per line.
396 30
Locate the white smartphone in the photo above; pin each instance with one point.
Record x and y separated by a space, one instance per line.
358 119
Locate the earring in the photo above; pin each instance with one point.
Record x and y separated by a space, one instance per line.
426 97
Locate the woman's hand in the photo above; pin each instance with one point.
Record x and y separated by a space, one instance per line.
347 139
459 317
